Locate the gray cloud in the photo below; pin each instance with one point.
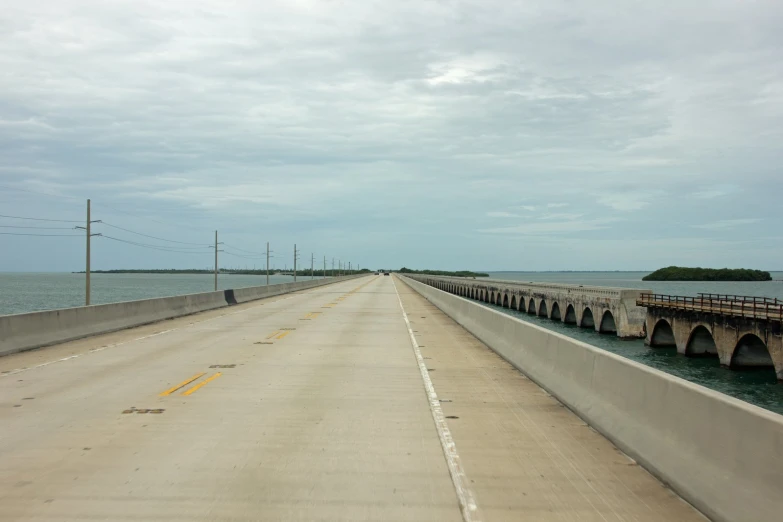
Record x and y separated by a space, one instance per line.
398 133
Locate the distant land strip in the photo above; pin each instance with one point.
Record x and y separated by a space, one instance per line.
459 273
679 273
230 271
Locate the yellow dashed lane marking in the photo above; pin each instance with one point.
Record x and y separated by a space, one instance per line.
180 385
202 383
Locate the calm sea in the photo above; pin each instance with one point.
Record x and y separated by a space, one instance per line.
27 292
759 386
30 292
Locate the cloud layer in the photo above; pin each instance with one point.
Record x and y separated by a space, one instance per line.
489 135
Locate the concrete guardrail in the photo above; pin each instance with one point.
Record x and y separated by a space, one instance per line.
722 455
21 332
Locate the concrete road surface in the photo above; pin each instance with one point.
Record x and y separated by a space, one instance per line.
313 406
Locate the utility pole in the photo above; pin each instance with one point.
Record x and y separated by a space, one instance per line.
87 229
312 266
216 259
267 263
294 262
324 267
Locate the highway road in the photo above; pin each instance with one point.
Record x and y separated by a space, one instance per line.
354 401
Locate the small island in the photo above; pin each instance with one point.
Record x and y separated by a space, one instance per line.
459 273
679 273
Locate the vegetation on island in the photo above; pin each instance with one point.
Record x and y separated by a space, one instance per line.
459 273
679 273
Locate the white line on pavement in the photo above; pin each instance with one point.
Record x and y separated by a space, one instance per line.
467 501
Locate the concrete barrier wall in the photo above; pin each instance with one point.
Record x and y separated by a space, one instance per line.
620 302
20 332
722 455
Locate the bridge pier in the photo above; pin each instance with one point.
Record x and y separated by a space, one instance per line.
604 309
737 342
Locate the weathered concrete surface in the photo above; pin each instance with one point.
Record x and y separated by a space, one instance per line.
28 331
528 457
330 422
719 453
607 310
736 341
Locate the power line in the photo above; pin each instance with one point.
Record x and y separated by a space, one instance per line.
243 250
153 237
38 228
143 217
155 247
41 219
39 235
243 256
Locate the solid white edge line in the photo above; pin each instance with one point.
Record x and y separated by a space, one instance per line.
467 501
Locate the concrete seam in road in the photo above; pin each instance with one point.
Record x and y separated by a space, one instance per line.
467 501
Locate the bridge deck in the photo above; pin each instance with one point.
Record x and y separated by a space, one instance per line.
329 422
730 306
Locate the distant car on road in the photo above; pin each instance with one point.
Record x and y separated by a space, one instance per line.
377 273
385 272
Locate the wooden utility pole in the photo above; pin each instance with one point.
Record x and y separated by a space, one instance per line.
87 228
267 263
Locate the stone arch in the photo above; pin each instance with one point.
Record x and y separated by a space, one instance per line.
513 304
751 352
531 307
587 319
505 300
472 293
662 334
521 304
555 312
570 315
486 296
701 343
607 323
542 310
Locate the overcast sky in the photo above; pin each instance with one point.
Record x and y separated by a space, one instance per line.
491 134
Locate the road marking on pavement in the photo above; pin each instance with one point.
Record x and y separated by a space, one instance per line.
273 334
282 335
15 371
20 370
202 383
183 383
467 501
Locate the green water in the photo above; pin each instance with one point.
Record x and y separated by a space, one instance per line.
756 386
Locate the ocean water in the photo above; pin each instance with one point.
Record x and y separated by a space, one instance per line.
30 292
756 386
772 288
